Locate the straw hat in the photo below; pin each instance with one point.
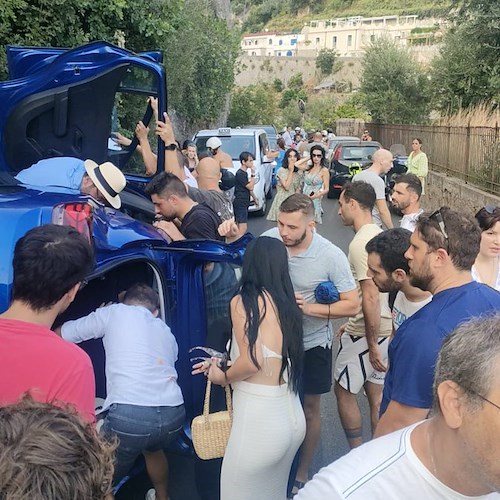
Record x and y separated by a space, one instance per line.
108 179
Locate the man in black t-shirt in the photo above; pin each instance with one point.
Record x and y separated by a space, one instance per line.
171 201
243 191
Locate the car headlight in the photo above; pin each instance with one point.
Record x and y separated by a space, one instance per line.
257 177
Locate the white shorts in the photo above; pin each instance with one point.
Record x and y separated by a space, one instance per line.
353 367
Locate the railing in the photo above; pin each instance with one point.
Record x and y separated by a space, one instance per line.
469 153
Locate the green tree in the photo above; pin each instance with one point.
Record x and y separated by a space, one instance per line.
467 71
199 57
199 49
393 86
326 61
254 104
278 85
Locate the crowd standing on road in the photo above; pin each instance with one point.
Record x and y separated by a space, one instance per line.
421 338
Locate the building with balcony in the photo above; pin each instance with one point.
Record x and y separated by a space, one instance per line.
349 36
270 43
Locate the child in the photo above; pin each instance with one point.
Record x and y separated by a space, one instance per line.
243 191
144 404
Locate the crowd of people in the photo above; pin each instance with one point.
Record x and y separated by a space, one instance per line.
421 339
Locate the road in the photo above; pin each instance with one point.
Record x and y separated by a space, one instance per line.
333 443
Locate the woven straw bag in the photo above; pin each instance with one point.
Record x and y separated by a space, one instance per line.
210 431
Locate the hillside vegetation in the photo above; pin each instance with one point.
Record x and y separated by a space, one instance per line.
290 15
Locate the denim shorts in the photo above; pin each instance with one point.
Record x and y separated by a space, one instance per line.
140 428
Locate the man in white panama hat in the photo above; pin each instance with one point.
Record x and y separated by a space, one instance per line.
103 182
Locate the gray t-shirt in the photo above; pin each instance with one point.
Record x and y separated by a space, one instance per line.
216 200
322 261
378 184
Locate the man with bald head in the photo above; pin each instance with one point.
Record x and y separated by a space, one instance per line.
382 163
208 191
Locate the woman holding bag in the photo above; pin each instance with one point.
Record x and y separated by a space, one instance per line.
266 353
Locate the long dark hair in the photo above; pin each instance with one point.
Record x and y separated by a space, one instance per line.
284 163
265 271
319 148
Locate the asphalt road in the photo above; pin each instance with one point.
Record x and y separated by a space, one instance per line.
333 443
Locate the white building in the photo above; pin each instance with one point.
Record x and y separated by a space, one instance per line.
270 43
349 36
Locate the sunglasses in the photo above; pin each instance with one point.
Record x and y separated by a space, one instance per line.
491 209
438 217
317 156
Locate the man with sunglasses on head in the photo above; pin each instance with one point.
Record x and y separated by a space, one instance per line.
441 253
50 264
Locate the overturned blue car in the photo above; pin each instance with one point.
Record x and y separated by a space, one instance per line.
73 103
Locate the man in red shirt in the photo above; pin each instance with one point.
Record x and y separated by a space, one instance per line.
50 264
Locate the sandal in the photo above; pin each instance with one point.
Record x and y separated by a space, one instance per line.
297 485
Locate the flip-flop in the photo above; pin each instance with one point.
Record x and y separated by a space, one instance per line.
298 485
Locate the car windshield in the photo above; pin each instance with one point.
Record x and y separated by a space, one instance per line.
358 152
233 145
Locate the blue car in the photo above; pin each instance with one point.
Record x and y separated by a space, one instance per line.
69 103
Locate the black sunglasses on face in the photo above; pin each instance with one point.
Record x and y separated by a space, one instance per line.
317 156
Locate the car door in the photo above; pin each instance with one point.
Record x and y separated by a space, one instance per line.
73 102
201 277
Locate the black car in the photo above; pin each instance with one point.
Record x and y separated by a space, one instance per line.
349 158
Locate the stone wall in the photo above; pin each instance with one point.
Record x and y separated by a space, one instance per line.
442 190
265 69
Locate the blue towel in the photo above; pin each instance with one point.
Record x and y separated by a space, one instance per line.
326 293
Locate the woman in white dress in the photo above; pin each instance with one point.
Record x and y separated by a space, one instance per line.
486 268
266 353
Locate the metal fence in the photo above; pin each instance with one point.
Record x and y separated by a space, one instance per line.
469 153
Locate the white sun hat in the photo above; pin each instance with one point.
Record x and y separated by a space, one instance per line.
108 179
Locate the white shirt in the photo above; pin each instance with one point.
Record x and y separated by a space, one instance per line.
404 308
409 221
140 354
383 469
190 180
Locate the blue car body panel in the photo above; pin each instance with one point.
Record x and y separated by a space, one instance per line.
51 77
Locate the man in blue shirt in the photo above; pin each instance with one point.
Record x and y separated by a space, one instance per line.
103 182
442 251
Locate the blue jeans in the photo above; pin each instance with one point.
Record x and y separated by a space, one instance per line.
140 428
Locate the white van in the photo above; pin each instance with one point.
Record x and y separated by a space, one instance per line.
235 141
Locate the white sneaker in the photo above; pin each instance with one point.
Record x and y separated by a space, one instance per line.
150 494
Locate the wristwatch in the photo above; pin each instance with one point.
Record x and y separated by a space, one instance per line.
171 147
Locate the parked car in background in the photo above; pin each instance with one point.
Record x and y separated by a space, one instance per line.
349 158
68 103
332 143
235 141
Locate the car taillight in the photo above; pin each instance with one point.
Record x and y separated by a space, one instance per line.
77 215
337 153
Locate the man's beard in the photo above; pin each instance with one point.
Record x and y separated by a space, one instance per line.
297 242
423 281
389 286
402 205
